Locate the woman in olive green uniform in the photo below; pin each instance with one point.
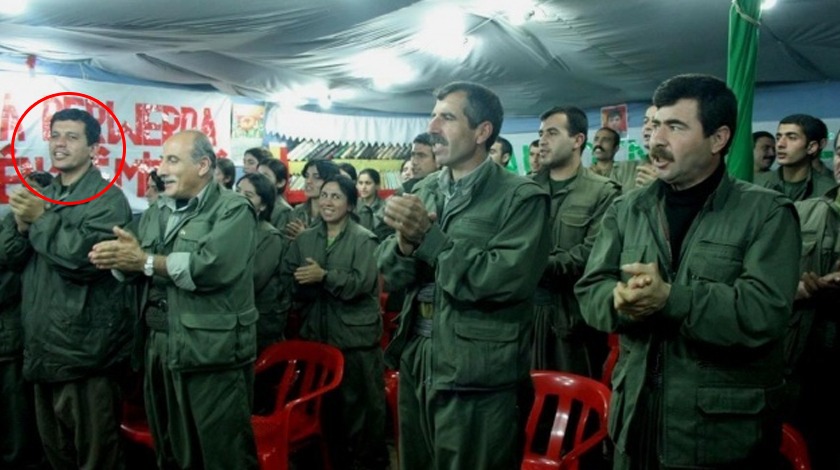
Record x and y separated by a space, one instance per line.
334 276
307 215
370 205
277 175
270 300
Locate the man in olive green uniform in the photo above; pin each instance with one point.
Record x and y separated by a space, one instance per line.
470 245
197 253
814 336
76 319
19 444
579 198
697 273
799 140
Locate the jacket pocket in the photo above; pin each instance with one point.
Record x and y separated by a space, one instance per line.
730 423
715 262
216 339
189 236
486 354
357 329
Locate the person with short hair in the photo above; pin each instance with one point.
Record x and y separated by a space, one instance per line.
194 254
696 273
225 173
764 151
501 151
332 269
534 157
799 139
471 242
423 160
76 319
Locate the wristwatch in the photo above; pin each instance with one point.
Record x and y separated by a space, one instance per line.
149 267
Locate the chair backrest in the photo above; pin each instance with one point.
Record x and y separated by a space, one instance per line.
304 367
612 358
573 432
794 448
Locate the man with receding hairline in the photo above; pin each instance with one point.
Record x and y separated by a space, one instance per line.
198 310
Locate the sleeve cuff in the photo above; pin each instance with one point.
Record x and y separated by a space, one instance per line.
178 267
432 245
678 305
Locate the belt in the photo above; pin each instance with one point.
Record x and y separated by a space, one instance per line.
423 327
155 314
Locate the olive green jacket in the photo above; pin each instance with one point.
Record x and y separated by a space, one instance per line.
485 258
281 214
576 213
721 330
76 318
820 222
272 301
214 325
13 256
816 184
342 310
371 217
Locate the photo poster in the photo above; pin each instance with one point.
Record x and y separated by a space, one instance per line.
148 115
248 124
615 117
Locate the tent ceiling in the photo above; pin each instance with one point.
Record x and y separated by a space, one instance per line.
581 52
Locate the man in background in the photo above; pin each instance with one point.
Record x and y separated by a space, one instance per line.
764 151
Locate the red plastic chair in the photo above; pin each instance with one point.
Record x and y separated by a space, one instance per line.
612 358
133 423
593 397
794 448
309 370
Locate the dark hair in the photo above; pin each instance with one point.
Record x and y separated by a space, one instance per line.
577 121
93 131
506 147
615 135
535 143
264 190
325 168
157 181
405 162
346 185
260 153
716 104
281 173
613 112
423 139
760 134
814 129
228 171
482 105
41 178
349 169
374 175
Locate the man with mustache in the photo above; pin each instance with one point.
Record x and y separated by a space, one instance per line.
799 140
764 151
469 247
697 274
579 198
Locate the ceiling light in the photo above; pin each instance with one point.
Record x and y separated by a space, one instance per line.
767 4
383 67
13 7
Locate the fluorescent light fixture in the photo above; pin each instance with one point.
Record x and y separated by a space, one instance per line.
383 67
444 34
767 4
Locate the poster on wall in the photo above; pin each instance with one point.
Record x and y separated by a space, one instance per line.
615 117
148 115
248 129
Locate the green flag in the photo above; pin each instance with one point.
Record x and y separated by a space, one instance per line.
744 16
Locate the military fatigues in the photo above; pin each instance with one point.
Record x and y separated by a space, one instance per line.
77 325
19 444
303 213
815 185
720 334
371 218
202 341
623 173
813 346
272 301
562 341
343 311
281 214
463 345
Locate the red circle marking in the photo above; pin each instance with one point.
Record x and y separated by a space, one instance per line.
119 168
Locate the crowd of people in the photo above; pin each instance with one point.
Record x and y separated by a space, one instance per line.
723 294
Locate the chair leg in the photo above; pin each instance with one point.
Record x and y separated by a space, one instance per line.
325 453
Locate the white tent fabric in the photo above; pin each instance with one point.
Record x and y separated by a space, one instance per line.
575 52
337 128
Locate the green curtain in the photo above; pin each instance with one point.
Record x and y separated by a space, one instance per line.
740 76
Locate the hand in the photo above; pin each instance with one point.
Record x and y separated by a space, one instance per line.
408 216
644 294
123 254
312 273
26 206
294 228
645 174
